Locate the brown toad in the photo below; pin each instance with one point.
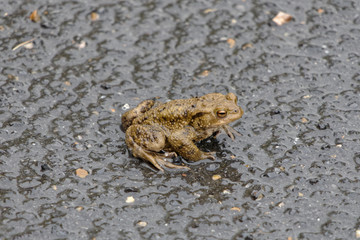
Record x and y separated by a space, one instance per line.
174 126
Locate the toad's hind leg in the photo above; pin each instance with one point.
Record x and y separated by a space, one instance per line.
145 142
128 117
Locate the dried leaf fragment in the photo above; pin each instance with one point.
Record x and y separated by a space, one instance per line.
34 16
304 120
209 10
282 18
231 42
13 77
82 173
235 209
22 44
204 73
246 46
261 196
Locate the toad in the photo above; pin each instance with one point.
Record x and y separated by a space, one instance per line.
156 131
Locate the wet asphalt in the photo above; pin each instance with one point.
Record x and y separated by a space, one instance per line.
292 174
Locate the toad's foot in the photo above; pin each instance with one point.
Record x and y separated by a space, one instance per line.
165 154
229 131
159 161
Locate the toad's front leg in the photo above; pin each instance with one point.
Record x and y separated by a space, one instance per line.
146 141
181 141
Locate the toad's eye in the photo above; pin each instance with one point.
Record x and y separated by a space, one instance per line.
221 113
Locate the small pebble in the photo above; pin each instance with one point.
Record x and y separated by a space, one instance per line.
125 107
94 16
226 191
29 45
216 177
357 233
130 199
79 209
82 173
282 18
142 224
